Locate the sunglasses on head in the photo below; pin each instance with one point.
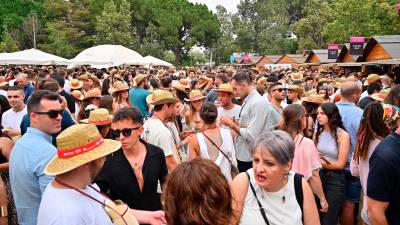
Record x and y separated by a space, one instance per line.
125 132
53 114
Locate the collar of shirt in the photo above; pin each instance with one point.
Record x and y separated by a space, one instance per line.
120 156
40 133
346 103
249 96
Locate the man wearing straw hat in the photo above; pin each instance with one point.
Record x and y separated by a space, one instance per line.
31 153
227 108
70 198
137 94
156 130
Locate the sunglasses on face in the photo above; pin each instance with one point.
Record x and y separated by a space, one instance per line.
53 114
125 132
278 89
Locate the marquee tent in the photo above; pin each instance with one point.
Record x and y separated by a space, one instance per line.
153 61
31 57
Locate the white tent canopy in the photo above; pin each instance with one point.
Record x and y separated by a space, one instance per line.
31 57
153 61
104 56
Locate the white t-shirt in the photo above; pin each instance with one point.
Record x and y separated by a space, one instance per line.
231 113
12 119
3 92
156 133
67 206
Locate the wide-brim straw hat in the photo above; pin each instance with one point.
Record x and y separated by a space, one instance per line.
78 145
119 86
83 77
297 89
76 84
139 78
99 116
296 76
93 93
314 98
227 87
372 78
77 95
181 87
381 95
159 97
195 95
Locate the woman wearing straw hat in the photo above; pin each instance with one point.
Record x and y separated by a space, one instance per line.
311 102
78 97
102 119
120 92
192 116
71 198
91 101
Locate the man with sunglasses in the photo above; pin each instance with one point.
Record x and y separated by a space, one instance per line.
132 173
31 154
11 119
276 95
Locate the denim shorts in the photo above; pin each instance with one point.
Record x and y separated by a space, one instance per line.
352 188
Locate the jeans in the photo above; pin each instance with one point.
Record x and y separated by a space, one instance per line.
353 188
333 185
244 166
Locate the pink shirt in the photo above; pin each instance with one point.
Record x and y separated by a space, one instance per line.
306 158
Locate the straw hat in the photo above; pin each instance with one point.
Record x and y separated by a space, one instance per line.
139 78
181 87
99 116
227 87
262 80
77 94
372 78
119 86
194 96
314 98
76 84
381 95
93 93
84 77
296 76
159 97
311 92
297 89
77 145
3 81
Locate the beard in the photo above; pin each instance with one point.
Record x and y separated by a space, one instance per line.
95 169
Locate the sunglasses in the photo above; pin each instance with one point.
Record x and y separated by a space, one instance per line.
125 132
53 114
278 89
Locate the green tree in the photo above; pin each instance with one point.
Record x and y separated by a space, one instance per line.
8 44
114 26
309 28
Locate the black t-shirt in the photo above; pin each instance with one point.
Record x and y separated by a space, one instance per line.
384 176
117 179
70 101
365 101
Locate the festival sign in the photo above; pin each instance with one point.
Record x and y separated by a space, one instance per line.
333 51
357 45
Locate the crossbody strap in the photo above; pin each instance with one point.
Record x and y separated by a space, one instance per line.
264 215
219 149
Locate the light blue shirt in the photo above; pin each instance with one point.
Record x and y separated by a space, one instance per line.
351 117
28 159
137 97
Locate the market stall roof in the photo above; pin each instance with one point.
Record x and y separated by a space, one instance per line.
104 56
319 56
32 57
382 48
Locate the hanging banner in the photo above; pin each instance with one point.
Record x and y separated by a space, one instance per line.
357 45
333 51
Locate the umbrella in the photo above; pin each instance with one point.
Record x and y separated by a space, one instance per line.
32 57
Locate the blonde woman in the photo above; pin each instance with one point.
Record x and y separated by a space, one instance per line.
120 93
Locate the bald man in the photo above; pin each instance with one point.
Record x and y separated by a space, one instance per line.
351 117
22 81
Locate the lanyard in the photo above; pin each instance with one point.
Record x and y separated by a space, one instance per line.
93 198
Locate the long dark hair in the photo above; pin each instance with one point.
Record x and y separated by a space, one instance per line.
371 126
334 120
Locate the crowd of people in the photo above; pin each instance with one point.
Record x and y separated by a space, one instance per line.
223 145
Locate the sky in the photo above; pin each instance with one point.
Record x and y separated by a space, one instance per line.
230 5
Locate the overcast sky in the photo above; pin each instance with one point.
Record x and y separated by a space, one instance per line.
230 5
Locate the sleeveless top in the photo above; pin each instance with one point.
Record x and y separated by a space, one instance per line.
227 147
327 146
277 212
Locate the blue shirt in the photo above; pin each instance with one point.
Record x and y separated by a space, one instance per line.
66 122
28 90
28 159
351 117
137 97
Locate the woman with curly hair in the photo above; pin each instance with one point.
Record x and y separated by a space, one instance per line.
333 144
371 132
204 199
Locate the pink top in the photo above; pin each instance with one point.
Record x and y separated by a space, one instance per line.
361 169
306 158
